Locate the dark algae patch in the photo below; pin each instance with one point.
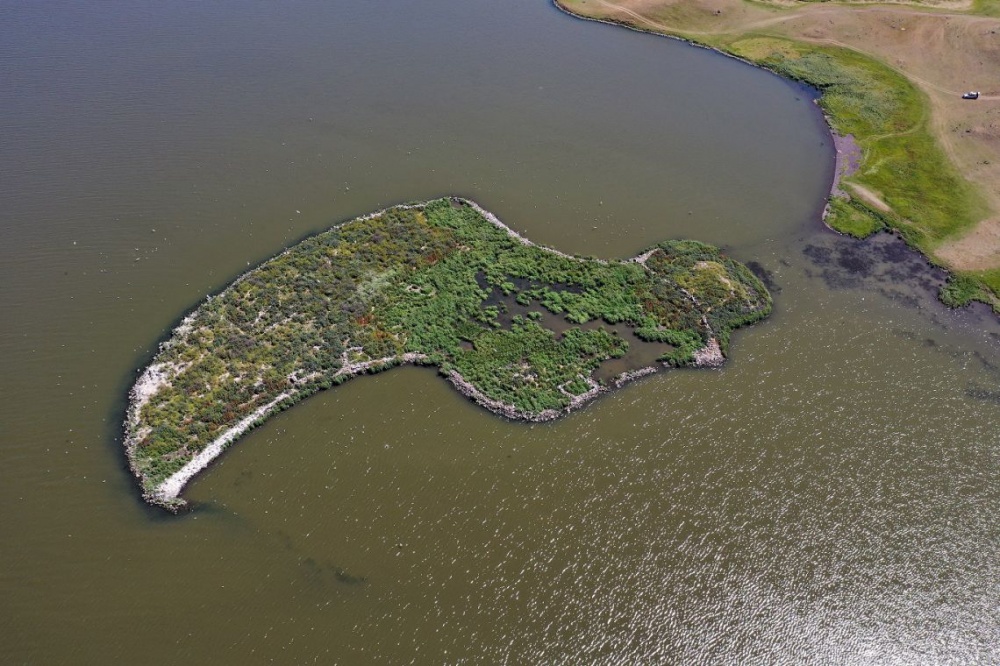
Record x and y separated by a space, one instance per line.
527 332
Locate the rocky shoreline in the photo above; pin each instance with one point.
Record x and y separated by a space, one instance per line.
512 411
846 162
167 494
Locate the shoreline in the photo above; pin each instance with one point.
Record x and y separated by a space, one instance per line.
937 229
844 167
167 494
847 159
159 374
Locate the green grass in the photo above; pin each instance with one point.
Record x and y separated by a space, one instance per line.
986 8
887 115
429 280
853 218
901 160
960 290
931 201
991 284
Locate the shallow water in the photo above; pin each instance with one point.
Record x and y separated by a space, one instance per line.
830 496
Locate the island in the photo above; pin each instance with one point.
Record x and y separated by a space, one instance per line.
918 156
526 331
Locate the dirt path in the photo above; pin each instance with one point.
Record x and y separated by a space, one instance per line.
793 12
870 197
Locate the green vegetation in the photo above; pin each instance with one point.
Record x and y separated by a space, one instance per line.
853 217
887 116
963 288
991 279
986 7
429 284
959 291
928 199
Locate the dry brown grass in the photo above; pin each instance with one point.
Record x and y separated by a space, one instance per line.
942 50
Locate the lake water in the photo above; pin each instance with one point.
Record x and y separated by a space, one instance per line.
830 496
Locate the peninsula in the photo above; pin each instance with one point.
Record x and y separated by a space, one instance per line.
921 161
521 329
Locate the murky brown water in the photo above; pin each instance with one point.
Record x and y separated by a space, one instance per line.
830 496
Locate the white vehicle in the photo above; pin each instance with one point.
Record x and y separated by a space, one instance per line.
971 95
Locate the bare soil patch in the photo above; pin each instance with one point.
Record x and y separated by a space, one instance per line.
869 197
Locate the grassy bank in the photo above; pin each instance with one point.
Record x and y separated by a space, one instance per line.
905 182
427 283
912 187
927 201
